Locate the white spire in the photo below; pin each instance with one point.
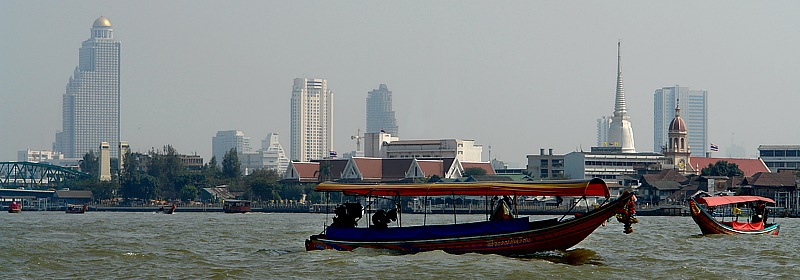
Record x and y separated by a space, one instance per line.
620 132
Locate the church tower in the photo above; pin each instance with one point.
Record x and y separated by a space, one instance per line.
620 131
677 149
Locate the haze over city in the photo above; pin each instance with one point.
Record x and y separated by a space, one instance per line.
516 76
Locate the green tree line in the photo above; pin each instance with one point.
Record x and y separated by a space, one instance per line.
160 175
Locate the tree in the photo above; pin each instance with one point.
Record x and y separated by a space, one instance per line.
166 167
262 184
722 168
188 193
470 171
231 167
90 164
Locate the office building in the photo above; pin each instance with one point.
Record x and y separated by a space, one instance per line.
226 140
380 116
694 111
311 120
91 104
780 157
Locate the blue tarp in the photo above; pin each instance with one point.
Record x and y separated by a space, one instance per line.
428 232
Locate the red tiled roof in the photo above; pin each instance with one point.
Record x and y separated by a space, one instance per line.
782 179
431 167
750 166
370 168
482 165
307 170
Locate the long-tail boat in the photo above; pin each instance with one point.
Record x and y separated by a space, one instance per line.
703 208
503 233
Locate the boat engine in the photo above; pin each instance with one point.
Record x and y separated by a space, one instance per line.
382 218
347 215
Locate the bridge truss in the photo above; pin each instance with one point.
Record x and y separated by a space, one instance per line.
34 175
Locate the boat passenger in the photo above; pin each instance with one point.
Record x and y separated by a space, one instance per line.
760 213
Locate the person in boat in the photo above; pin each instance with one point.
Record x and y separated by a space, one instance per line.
382 218
760 213
501 212
347 215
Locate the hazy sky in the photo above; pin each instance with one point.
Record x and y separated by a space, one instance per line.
516 76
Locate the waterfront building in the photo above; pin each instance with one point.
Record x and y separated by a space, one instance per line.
385 146
226 140
694 111
380 116
192 162
620 131
608 163
91 103
311 120
780 157
546 166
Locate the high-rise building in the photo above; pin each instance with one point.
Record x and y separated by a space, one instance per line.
91 103
380 115
620 131
311 120
602 130
227 140
694 111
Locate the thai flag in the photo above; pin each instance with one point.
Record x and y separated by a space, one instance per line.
383 131
332 154
714 148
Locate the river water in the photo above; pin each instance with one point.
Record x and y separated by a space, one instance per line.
103 245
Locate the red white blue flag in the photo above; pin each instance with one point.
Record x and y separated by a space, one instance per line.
714 147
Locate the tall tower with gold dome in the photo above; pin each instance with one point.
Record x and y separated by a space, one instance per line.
677 149
620 131
91 103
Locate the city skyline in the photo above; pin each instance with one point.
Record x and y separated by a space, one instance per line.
503 74
694 110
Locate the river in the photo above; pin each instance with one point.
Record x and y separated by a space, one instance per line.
103 245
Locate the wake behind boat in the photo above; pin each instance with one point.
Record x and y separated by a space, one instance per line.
504 233
705 208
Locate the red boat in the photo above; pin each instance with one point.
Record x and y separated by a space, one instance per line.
703 207
509 235
15 207
236 206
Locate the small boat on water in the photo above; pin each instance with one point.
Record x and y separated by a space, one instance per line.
236 206
15 207
502 233
710 214
76 209
167 209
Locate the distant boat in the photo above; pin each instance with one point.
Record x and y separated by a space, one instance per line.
502 233
236 206
167 209
76 209
15 207
704 207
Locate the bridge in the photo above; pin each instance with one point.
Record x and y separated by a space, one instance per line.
37 176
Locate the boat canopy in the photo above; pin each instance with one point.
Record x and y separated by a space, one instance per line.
593 187
724 200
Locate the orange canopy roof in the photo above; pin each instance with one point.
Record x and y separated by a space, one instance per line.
593 187
724 200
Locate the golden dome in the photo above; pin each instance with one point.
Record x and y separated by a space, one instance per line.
101 22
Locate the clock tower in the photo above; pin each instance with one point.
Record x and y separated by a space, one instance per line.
677 149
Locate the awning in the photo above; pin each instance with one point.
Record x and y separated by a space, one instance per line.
724 200
593 187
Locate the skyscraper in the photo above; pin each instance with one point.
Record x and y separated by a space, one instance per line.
91 103
694 112
603 124
620 131
311 120
379 111
226 140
